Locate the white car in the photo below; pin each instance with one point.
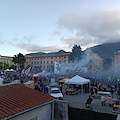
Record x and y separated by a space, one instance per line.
55 92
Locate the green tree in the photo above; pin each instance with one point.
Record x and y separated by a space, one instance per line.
76 53
20 60
4 66
13 67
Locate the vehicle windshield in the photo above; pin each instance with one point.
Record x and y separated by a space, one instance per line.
55 91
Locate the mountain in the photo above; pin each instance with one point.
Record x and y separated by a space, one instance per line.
106 50
51 53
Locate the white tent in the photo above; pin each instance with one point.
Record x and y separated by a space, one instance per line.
77 80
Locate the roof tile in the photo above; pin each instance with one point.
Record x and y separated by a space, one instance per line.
16 98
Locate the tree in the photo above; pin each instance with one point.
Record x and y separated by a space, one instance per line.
20 59
4 66
13 67
76 53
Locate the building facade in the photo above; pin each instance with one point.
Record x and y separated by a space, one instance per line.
47 61
7 60
117 59
96 62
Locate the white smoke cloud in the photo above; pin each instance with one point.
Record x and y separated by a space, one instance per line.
78 66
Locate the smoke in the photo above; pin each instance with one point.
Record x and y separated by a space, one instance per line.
80 66
44 73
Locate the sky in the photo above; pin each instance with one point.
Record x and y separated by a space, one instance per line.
28 26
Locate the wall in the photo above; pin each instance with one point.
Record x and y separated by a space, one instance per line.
43 113
7 60
61 110
83 114
46 62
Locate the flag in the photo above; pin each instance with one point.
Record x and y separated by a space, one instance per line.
57 67
27 71
23 71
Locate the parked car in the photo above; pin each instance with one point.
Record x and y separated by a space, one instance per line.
55 92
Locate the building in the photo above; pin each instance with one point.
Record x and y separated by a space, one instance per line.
46 61
95 61
18 102
7 60
117 59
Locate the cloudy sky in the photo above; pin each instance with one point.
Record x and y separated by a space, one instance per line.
28 26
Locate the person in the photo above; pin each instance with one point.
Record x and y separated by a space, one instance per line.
95 90
117 102
110 101
92 91
89 101
103 100
111 91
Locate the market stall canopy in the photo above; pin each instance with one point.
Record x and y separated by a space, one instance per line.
77 80
9 70
63 80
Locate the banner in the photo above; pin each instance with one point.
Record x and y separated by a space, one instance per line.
57 67
27 71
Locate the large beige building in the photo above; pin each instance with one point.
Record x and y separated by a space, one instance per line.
46 61
6 59
96 61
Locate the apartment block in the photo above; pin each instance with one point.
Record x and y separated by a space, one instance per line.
46 61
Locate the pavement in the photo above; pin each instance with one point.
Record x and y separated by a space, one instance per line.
79 100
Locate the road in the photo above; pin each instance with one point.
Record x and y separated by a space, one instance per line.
79 101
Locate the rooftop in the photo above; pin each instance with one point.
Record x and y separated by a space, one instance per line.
17 98
51 53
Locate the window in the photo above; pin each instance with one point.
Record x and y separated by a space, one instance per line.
64 56
51 57
34 58
40 62
38 58
44 62
34 62
37 62
47 62
59 61
35 118
51 62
